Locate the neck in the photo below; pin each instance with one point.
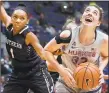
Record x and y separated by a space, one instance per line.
16 31
87 35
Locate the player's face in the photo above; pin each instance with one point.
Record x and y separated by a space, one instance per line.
19 19
91 16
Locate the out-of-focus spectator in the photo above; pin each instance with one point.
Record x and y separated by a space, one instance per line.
71 8
42 20
38 27
47 3
50 29
70 23
5 71
67 8
32 21
5 67
63 7
105 88
38 7
2 80
4 53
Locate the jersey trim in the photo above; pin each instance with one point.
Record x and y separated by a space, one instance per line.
23 30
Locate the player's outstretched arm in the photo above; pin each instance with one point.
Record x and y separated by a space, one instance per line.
4 17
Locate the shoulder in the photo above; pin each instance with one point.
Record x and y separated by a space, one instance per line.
65 34
104 44
9 27
68 32
105 41
30 34
102 35
31 38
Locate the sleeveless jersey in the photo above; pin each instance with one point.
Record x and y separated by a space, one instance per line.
76 53
23 56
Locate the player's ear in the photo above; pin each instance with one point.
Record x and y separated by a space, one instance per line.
80 19
28 21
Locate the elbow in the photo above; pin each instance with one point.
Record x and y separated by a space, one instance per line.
46 49
47 53
49 66
42 54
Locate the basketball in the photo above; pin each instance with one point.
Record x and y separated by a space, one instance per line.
87 76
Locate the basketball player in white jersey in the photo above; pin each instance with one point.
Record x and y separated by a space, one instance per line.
84 43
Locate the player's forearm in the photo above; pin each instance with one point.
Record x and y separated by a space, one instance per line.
40 51
1 9
104 63
51 67
6 19
52 63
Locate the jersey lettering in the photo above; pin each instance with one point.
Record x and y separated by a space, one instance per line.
14 44
82 53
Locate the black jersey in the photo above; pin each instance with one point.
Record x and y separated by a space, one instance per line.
23 56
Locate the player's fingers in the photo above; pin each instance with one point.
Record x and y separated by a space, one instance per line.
68 80
69 71
101 81
72 81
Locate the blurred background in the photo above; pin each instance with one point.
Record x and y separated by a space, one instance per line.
47 19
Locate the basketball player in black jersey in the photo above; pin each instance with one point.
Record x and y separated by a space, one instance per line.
29 70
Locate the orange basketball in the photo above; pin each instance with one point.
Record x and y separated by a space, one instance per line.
87 76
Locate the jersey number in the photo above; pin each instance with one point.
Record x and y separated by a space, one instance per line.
12 54
78 60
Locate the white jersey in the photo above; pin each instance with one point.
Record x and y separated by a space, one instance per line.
76 53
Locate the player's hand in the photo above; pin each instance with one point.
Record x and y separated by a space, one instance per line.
73 80
58 52
106 77
101 80
67 76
